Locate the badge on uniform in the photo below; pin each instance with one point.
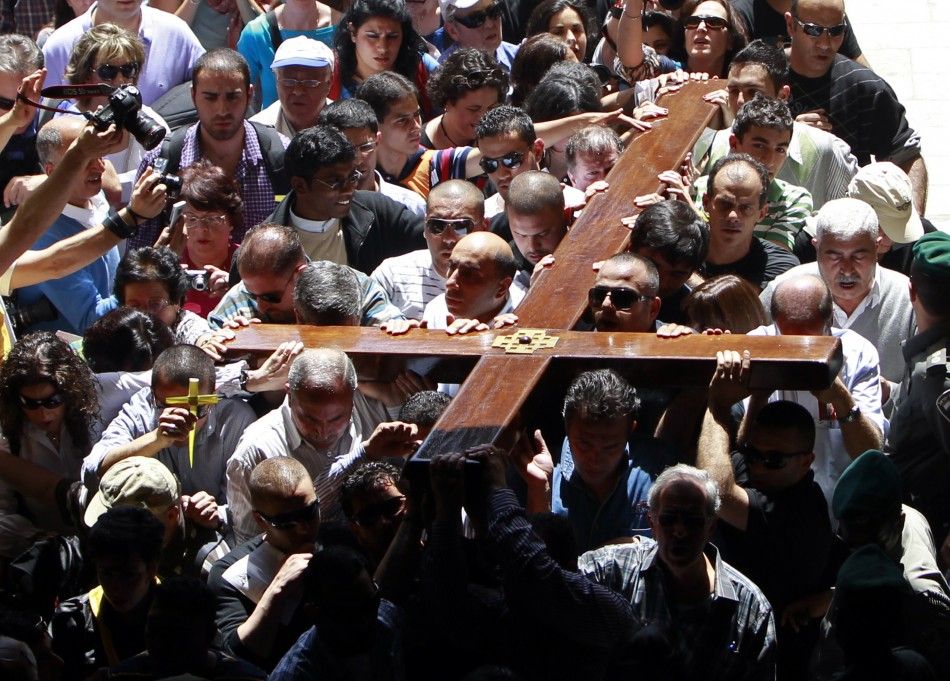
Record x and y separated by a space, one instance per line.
943 405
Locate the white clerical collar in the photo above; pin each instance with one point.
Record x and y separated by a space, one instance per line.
92 215
315 226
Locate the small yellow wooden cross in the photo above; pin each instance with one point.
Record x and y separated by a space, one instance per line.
192 400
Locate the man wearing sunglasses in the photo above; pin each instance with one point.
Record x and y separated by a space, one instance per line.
836 94
374 506
624 296
776 527
476 24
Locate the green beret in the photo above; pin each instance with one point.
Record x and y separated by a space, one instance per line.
869 486
870 568
932 255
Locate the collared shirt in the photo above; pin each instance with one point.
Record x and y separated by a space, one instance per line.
275 434
274 116
504 54
376 306
171 50
731 636
411 281
251 175
843 320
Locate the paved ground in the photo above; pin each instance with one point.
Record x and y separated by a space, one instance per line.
906 43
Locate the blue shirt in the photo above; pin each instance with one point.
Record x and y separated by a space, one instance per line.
623 514
505 54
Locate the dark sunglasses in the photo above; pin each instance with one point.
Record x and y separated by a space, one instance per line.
50 402
774 461
385 509
109 71
511 160
622 298
460 226
6 104
285 521
815 30
712 23
477 19
690 521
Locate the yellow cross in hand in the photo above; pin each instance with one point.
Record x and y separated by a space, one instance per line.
192 400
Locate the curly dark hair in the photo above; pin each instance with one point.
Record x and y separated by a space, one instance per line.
44 358
152 264
207 187
463 71
361 11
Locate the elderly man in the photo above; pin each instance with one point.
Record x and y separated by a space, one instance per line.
324 423
624 295
476 23
591 153
303 69
869 300
258 584
269 263
836 94
735 202
535 211
454 208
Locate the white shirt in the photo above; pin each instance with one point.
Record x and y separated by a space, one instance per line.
411 281
843 320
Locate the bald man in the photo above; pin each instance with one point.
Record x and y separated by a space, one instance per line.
624 296
74 302
453 209
535 210
833 93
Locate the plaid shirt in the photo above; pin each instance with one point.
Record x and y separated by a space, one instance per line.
251 176
732 639
32 15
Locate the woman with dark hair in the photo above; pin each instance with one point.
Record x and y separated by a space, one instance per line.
376 36
126 340
535 56
48 414
728 303
569 20
467 84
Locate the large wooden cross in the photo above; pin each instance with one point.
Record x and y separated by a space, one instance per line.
498 383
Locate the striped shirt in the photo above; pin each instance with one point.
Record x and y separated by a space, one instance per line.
411 281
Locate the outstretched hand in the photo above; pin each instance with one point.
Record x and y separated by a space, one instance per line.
730 382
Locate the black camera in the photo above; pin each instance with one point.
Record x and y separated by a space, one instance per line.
198 279
125 111
23 317
172 185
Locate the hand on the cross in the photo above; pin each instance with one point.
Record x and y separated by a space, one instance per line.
532 458
817 118
494 466
447 480
674 331
19 188
202 509
462 326
398 327
272 374
730 381
393 439
239 322
213 344
503 320
594 188
174 423
687 170
543 264
621 118
650 110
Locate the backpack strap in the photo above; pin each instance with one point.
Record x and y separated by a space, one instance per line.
272 149
271 18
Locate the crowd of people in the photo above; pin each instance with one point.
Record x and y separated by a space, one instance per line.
175 171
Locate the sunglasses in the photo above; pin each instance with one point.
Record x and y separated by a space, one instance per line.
774 461
290 519
109 72
815 31
50 402
622 298
477 19
6 104
712 23
385 509
460 226
272 298
511 160
690 521
350 181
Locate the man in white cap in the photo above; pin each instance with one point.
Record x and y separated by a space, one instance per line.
869 300
888 190
303 69
477 24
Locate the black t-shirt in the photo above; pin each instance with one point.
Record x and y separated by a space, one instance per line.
862 108
19 157
671 308
759 266
762 21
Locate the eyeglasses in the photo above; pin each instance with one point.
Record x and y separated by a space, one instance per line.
772 460
460 226
50 402
366 147
691 521
815 30
712 23
477 19
207 221
110 71
6 104
511 160
291 83
385 509
350 181
290 519
151 306
622 298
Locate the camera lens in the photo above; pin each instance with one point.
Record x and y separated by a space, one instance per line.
145 129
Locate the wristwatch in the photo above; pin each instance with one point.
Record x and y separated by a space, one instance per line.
851 416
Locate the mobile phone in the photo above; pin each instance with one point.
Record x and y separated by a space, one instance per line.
177 209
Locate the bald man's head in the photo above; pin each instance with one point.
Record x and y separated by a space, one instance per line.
52 141
812 56
454 208
461 193
480 271
802 306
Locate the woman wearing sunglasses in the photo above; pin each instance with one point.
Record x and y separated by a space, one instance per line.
48 412
469 83
113 56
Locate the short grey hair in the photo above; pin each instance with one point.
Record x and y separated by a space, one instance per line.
594 139
19 55
322 370
846 219
49 142
600 395
327 294
682 471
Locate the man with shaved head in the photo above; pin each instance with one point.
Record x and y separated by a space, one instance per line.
845 98
535 210
453 209
326 424
624 296
258 584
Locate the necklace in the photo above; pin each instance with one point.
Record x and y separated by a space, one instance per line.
445 132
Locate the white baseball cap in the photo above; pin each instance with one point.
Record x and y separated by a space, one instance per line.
303 51
445 5
887 189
